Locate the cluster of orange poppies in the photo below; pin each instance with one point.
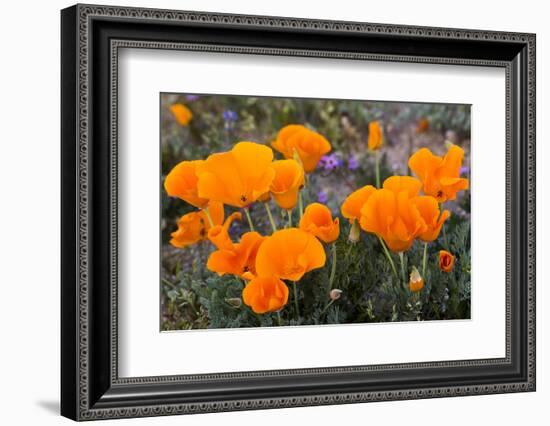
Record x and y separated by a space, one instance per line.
396 212
244 175
399 215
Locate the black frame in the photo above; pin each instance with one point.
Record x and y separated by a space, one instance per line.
91 37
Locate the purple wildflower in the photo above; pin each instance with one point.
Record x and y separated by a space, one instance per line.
464 170
192 98
322 196
353 162
330 162
230 116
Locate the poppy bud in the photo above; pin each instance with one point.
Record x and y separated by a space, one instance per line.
335 294
416 283
446 261
354 233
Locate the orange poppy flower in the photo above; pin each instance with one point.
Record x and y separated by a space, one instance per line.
440 176
182 181
219 234
351 208
289 178
422 125
416 283
237 177
182 114
376 136
238 259
265 294
317 220
310 146
446 261
193 227
289 254
429 210
394 217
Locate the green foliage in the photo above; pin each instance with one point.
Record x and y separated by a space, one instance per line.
370 291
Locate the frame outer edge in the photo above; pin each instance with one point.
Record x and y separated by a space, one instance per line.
82 411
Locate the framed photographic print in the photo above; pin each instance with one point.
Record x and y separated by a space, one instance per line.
263 212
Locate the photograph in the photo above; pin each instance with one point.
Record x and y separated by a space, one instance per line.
280 211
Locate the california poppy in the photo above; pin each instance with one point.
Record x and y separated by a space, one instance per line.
289 178
193 227
434 219
392 215
237 177
265 294
422 125
182 114
446 261
309 145
351 208
317 220
440 176
238 258
289 254
376 136
182 181
416 282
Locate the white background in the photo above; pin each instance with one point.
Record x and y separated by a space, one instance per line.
29 213
141 345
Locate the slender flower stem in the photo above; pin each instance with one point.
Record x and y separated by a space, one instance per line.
329 304
424 260
209 217
247 213
388 255
269 215
333 267
279 319
377 168
289 218
295 291
301 204
402 259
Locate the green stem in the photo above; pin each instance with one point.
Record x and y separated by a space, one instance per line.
268 210
388 255
333 267
247 213
403 276
424 260
289 218
295 291
209 217
301 204
279 319
329 304
377 168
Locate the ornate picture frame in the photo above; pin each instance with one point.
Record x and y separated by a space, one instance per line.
91 37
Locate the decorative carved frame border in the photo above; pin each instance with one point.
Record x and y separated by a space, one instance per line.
85 14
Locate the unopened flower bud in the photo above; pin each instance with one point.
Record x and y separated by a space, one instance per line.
335 294
354 232
416 283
